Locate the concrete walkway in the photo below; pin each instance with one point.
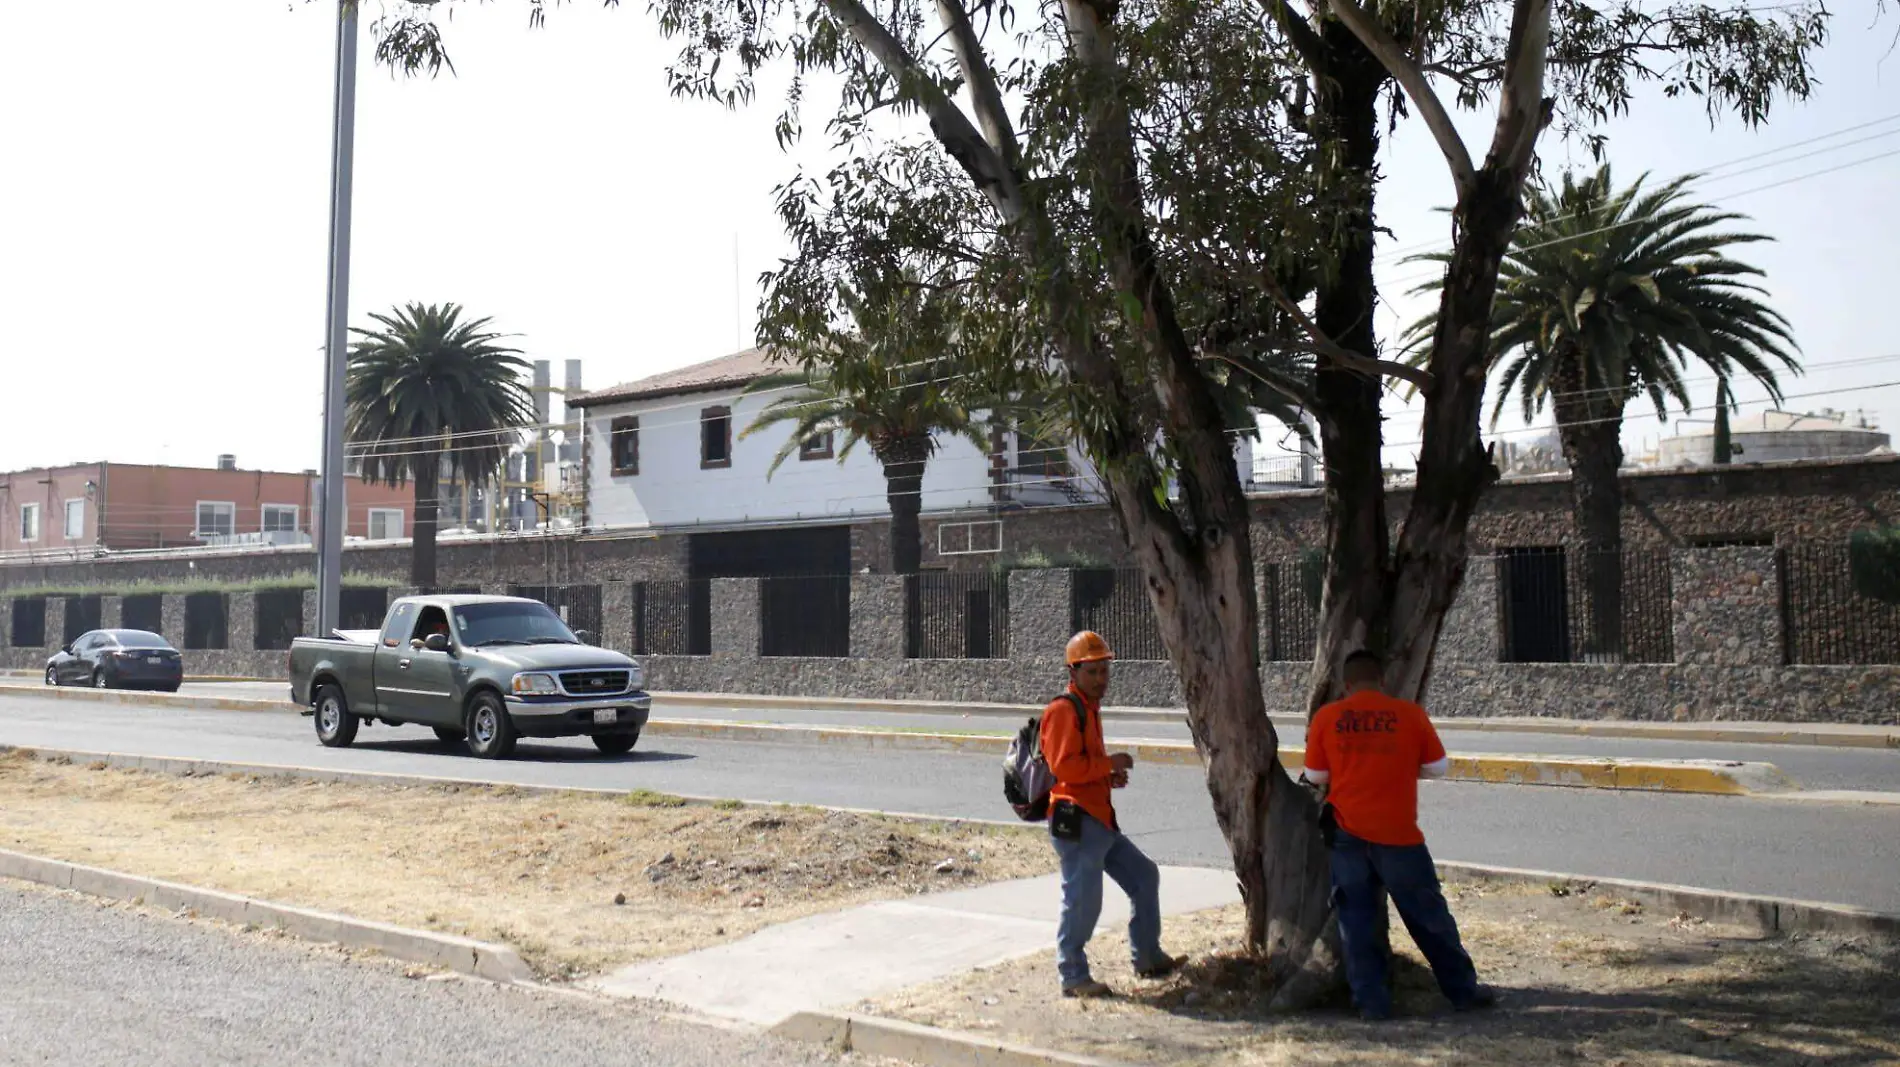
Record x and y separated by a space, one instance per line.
835 960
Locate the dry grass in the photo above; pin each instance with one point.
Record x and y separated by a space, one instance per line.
1585 981
576 882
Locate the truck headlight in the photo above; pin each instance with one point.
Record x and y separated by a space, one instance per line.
637 678
533 684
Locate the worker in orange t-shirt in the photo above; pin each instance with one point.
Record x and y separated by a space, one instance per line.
1082 825
1368 752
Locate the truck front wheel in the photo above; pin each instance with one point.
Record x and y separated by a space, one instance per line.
491 733
336 727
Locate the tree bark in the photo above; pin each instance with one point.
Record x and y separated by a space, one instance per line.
904 463
1590 427
422 538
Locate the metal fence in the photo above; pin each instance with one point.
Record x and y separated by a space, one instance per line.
83 615
29 622
1114 604
361 607
206 620
672 618
143 611
805 616
1289 607
1837 609
279 618
578 605
956 615
1559 605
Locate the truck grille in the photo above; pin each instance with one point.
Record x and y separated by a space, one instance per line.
595 683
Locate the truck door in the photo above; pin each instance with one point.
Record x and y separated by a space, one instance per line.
413 683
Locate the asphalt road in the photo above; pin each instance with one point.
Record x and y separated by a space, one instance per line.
1826 852
1813 766
93 984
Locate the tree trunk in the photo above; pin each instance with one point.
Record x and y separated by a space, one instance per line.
1724 440
1590 426
904 463
1358 534
422 548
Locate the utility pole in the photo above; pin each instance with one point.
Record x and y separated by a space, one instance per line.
335 358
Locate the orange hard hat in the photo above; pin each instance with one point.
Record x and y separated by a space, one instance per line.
1087 647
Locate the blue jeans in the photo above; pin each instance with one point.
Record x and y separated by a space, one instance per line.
1105 851
1363 874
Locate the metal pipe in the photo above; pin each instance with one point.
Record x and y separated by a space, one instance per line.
335 355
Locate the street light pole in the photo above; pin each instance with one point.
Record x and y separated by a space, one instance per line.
335 356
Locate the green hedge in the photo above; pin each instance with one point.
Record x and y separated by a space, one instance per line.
1873 558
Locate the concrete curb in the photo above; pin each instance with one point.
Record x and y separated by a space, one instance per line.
1719 777
1780 915
497 963
135 696
920 1044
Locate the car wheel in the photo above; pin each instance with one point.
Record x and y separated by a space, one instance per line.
52 676
336 727
449 735
616 744
99 679
491 733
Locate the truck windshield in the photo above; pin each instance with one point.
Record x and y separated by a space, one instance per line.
511 624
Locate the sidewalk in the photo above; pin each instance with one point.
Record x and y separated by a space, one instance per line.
833 961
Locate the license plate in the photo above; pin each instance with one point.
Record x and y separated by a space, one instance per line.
155 659
606 714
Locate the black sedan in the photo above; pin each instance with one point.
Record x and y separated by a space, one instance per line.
118 659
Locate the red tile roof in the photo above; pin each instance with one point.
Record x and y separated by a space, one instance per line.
738 369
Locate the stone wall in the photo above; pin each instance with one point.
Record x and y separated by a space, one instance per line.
1725 615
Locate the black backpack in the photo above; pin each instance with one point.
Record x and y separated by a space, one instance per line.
1026 775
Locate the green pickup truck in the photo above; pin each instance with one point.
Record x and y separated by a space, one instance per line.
485 670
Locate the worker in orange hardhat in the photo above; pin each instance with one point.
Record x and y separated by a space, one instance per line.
1083 827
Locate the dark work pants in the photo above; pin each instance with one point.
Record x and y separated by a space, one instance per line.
1363 875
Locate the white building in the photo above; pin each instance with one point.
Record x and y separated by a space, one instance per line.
671 450
1774 436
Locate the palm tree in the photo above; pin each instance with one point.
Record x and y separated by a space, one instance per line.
891 383
1605 295
428 395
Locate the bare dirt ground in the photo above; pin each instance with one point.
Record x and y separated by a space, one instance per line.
1585 980
577 883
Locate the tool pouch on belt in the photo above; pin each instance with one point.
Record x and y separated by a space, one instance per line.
1328 824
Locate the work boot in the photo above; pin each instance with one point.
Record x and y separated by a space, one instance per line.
1482 997
1163 966
1089 989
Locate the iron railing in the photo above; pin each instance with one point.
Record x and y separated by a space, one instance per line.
1558 605
1289 607
956 615
1837 609
207 617
1114 604
805 616
143 611
83 615
279 618
578 605
29 622
672 618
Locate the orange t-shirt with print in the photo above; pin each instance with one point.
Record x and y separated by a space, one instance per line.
1372 745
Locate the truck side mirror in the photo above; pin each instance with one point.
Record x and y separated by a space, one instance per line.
436 643
584 637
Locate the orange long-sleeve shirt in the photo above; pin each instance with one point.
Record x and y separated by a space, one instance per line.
1078 758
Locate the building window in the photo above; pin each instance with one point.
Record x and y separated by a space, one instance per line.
75 520
29 522
279 518
624 438
715 438
817 446
385 524
216 519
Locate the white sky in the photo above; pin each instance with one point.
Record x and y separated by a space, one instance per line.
163 214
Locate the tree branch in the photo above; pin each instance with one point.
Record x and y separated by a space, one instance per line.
990 113
1418 88
1333 350
1522 109
993 177
1300 34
